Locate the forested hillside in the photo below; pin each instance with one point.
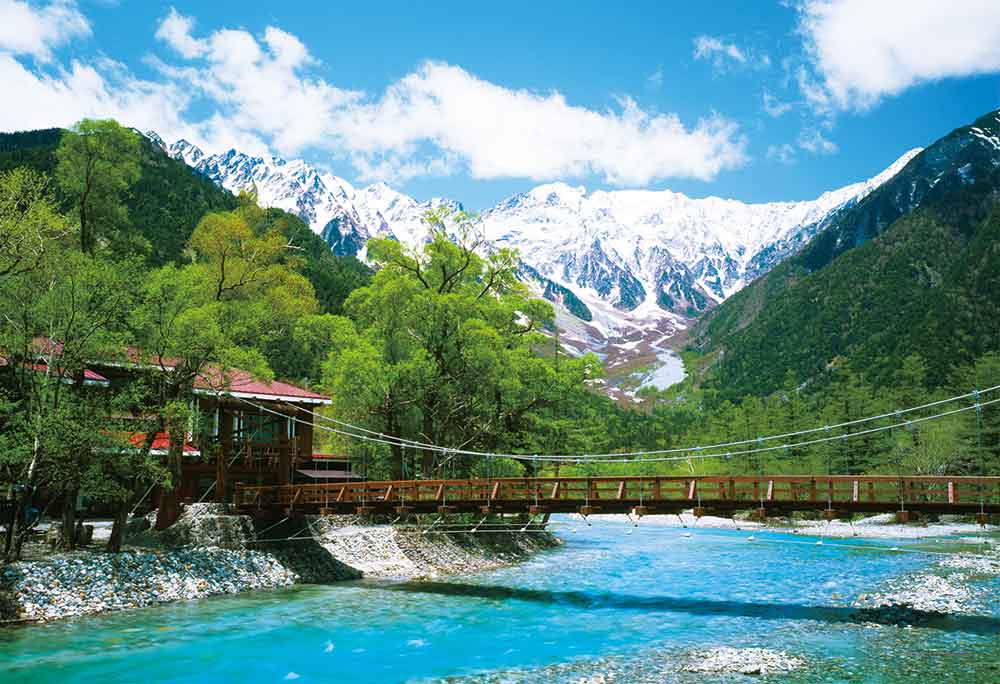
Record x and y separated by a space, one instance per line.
168 199
912 269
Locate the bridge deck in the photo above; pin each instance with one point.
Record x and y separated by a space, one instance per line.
645 495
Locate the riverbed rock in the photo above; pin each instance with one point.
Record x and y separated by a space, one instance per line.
748 661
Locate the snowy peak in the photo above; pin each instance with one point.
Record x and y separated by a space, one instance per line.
616 259
186 152
646 252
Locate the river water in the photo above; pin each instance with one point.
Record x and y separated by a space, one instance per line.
606 607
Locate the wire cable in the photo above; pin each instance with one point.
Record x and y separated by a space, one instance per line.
401 441
629 457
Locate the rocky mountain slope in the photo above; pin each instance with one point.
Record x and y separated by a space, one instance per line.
912 268
624 266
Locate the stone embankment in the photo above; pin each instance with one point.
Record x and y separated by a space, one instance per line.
210 552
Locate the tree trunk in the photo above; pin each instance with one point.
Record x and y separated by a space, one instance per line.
67 535
19 526
169 505
118 528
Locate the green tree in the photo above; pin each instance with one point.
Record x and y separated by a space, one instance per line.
30 224
98 163
447 352
58 317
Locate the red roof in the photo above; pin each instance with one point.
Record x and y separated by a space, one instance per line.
231 381
161 443
235 381
88 375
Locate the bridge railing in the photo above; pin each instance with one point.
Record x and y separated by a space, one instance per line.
847 491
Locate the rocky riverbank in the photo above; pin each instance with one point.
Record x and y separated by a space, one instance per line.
958 584
882 526
209 552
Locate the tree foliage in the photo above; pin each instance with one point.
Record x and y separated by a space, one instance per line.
98 163
443 348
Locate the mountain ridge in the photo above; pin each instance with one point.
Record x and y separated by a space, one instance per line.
624 259
912 268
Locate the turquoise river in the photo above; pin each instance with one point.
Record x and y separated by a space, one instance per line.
607 607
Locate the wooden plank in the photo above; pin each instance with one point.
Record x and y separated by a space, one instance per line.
692 489
621 489
732 489
951 492
555 490
770 490
496 491
855 491
388 493
440 493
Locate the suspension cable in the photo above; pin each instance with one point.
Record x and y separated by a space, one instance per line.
350 430
624 458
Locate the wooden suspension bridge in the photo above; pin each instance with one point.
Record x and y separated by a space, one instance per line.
837 496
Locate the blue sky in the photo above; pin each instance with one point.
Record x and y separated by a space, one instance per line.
475 101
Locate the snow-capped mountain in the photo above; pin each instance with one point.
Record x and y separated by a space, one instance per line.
344 216
620 263
645 252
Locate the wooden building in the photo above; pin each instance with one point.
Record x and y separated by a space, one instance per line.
250 430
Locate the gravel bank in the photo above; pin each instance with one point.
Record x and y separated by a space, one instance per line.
748 661
873 527
951 586
68 586
406 553
210 551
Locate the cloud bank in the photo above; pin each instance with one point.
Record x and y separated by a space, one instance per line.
862 51
263 95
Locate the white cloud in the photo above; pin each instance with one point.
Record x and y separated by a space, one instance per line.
726 56
784 153
861 51
38 100
438 119
812 140
27 29
498 132
713 48
175 30
775 107
262 94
